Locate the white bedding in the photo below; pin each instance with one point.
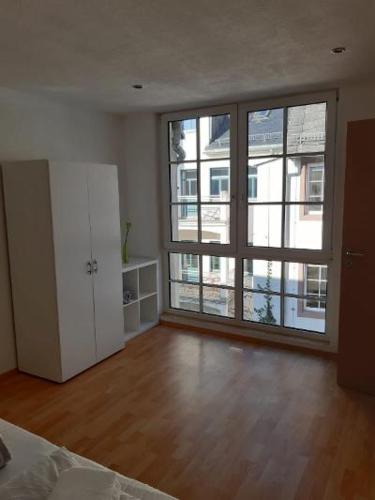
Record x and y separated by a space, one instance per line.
27 449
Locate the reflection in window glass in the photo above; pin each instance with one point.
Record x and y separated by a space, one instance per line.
265 132
182 140
306 128
261 308
184 296
218 301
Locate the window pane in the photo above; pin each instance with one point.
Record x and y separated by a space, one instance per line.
304 226
183 140
215 223
306 279
183 178
265 132
306 128
218 270
298 313
184 219
215 181
264 225
305 178
218 301
264 275
214 136
261 308
184 296
268 175
184 267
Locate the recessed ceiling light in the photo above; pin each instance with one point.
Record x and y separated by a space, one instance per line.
338 50
137 86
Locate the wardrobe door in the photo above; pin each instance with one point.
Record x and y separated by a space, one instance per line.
106 255
72 241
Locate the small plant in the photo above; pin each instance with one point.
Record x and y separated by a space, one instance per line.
265 313
125 256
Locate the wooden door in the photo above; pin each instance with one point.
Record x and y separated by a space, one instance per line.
106 255
72 242
356 365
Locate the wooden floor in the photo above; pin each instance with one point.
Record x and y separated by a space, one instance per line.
202 417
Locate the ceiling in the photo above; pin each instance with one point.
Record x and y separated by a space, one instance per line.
185 53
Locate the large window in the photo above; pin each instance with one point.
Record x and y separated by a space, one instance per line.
249 213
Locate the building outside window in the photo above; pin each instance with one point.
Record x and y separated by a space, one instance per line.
188 183
315 283
314 186
190 267
252 179
219 181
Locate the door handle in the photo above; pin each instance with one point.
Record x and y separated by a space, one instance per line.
88 268
95 266
351 253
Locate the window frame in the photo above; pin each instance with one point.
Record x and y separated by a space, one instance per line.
238 247
196 247
288 254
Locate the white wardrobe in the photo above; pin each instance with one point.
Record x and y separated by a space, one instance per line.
65 257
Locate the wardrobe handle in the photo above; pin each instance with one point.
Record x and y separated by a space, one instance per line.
95 266
88 267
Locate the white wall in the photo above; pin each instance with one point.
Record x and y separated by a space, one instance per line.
140 183
30 128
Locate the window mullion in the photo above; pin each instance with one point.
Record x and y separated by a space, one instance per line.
199 197
201 283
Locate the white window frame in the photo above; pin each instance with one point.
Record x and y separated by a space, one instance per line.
196 247
238 247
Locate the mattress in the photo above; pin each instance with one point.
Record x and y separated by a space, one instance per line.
27 448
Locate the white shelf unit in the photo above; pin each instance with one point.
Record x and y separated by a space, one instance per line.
140 277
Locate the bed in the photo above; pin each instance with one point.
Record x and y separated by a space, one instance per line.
28 449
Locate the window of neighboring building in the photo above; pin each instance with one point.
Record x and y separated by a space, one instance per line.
219 180
315 286
252 183
188 183
188 212
215 264
190 267
314 187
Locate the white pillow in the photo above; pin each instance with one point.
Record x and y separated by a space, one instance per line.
86 483
38 481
